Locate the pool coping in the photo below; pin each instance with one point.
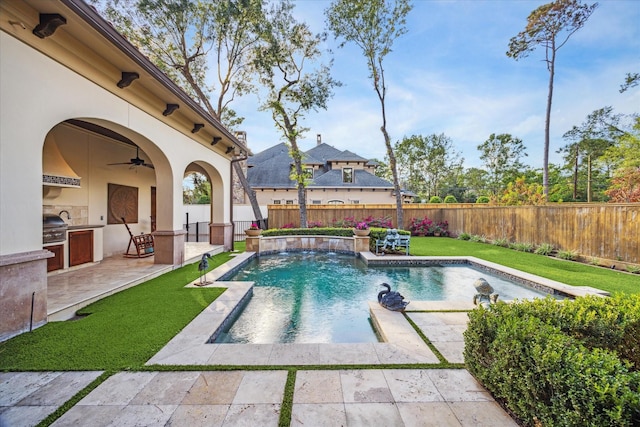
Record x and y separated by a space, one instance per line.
402 344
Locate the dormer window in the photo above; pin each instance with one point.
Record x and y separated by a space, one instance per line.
347 175
308 173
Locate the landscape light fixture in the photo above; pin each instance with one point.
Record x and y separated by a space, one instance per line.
197 127
216 139
170 109
49 23
127 78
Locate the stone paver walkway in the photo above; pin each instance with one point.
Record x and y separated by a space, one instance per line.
375 397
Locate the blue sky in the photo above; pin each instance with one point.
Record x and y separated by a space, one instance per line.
450 74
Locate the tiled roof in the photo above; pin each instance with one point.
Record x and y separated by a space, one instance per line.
327 153
271 168
333 178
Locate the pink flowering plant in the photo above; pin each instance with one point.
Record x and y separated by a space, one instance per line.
420 226
362 226
254 226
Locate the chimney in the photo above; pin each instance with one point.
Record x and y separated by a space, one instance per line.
242 136
319 139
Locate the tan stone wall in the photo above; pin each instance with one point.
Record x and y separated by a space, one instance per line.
299 243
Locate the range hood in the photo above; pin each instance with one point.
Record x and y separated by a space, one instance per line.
55 170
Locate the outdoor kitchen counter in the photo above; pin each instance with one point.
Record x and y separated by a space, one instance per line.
84 227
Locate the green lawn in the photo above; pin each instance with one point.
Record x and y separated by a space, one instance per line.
119 332
571 273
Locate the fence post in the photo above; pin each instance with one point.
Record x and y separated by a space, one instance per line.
187 226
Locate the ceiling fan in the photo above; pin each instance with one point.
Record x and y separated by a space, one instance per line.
136 161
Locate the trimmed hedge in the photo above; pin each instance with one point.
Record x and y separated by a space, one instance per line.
316 231
560 363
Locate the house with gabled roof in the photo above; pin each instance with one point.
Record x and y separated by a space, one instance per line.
334 177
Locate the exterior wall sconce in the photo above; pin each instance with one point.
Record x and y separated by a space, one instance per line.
127 78
216 139
229 149
197 127
49 23
170 109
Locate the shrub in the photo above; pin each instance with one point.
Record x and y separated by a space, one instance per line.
559 362
323 231
314 224
633 269
482 199
568 255
544 249
501 242
435 199
382 222
420 226
351 222
522 247
478 239
440 229
450 199
464 236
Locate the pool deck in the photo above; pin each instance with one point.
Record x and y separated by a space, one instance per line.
337 395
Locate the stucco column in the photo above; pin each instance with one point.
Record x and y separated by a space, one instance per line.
361 244
253 244
169 246
221 234
23 286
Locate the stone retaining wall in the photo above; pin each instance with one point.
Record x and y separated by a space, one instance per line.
274 244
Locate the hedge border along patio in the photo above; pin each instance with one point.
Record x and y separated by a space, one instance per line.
560 363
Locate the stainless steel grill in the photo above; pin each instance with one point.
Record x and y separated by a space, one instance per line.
54 229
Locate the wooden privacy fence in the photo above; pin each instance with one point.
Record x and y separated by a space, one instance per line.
608 231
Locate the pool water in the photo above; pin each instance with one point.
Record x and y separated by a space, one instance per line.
323 297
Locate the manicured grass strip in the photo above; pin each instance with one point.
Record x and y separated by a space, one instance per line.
119 332
287 399
426 340
75 399
571 273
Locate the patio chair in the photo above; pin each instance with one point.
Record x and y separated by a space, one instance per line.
142 244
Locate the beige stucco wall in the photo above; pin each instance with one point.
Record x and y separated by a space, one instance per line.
38 94
267 197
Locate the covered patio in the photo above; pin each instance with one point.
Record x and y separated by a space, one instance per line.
94 134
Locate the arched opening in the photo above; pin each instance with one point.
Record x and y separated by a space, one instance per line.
115 196
204 201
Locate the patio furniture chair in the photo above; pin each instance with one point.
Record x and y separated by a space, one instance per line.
142 244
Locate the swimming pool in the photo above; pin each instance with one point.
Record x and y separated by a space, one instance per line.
322 297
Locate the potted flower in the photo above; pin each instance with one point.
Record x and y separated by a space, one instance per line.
361 229
253 230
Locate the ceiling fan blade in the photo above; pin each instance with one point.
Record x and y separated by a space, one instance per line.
114 164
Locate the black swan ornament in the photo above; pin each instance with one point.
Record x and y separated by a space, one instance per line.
391 300
202 268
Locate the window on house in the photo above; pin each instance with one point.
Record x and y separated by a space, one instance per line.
347 175
335 202
316 202
289 202
276 202
308 173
